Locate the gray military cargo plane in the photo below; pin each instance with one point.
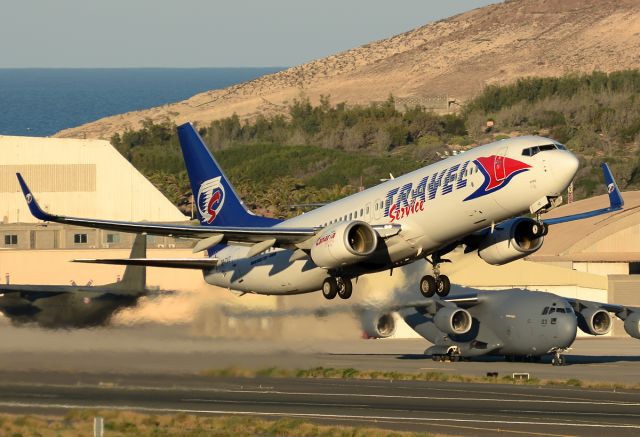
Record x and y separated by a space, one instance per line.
76 306
516 323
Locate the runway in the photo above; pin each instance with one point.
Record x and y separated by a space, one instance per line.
156 369
459 409
169 350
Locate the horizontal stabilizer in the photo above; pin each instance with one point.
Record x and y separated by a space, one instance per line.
177 263
616 202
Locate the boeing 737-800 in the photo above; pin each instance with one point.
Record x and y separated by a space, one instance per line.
475 199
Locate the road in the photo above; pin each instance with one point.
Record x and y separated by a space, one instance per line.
448 408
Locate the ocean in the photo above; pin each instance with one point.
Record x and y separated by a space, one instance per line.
42 101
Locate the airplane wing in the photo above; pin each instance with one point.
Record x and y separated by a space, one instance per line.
177 263
31 293
209 235
621 311
616 202
42 289
463 300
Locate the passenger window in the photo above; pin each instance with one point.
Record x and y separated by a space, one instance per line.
367 210
350 216
361 212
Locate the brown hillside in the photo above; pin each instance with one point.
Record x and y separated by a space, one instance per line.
454 57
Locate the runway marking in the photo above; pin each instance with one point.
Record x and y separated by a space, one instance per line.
571 413
362 395
436 368
504 393
216 401
308 415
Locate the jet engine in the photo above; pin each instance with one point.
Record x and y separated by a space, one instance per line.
511 240
632 325
453 320
344 243
595 321
377 325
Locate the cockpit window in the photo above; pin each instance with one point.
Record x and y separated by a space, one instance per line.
552 310
545 311
560 310
531 151
561 146
569 310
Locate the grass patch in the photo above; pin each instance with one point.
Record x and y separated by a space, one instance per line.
351 373
125 424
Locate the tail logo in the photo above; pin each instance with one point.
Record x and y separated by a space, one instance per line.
210 199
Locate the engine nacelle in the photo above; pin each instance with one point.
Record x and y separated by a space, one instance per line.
453 320
594 321
377 325
344 243
632 325
511 240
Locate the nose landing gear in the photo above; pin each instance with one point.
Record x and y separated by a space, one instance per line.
436 284
558 359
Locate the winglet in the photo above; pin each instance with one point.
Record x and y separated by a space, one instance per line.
616 202
35 209
615 197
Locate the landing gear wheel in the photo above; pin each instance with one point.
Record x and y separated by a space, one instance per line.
330 288
539 229
428 286
345 288
558 360
443 285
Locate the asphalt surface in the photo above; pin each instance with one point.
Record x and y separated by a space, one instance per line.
156 369
448 408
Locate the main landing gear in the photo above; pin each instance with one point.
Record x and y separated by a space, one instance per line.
436 284
558 359
337 286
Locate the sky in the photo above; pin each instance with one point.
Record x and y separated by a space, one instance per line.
202 33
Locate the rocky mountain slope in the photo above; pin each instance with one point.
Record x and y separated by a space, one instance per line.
454 57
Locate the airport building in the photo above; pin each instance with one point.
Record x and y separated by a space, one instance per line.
77 177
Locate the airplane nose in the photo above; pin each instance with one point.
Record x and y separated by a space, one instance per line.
566 166
567 326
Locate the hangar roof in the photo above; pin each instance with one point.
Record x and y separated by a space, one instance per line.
470 270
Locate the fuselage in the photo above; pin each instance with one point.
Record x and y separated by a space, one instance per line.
65 307
435 206
506 322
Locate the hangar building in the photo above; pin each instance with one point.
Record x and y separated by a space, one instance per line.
78 177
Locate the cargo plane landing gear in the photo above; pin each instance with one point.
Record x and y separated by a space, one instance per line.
436 284
337 286
558 359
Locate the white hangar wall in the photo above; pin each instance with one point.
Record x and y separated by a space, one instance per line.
78 177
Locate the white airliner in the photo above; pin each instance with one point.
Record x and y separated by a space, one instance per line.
473 199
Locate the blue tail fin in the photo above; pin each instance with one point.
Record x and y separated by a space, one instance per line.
216 201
